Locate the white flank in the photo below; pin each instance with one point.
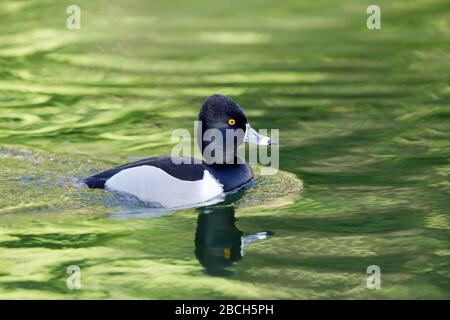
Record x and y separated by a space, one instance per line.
151 184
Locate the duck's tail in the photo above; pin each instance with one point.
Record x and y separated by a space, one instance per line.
95 182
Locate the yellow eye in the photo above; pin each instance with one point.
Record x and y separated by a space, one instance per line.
227 253
231 122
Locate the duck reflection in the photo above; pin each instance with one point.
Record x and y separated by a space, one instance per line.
218 242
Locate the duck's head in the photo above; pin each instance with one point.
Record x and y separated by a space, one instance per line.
224 126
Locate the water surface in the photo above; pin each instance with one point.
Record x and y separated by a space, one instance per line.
364 124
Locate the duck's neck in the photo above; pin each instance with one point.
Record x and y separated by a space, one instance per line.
219 147
213 154
223 160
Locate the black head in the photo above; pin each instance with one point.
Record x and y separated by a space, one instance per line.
220 112
224 127
220 116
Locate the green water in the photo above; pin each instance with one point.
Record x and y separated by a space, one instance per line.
364 123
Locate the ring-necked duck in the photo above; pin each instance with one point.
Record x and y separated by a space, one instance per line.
176 182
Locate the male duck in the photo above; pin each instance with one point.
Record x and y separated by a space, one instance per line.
181 181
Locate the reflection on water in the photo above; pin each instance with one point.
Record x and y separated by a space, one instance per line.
219 244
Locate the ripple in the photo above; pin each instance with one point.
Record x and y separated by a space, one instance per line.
234 38
14 99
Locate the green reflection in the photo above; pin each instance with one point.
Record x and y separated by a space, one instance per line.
219 244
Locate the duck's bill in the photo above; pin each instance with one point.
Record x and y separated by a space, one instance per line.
252 136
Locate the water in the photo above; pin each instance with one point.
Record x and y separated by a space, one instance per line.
364 125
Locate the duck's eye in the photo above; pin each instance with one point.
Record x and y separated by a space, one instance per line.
231 122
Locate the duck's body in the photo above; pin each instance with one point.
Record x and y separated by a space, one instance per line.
175 181
160 180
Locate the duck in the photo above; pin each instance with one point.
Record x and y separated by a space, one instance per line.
177 181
